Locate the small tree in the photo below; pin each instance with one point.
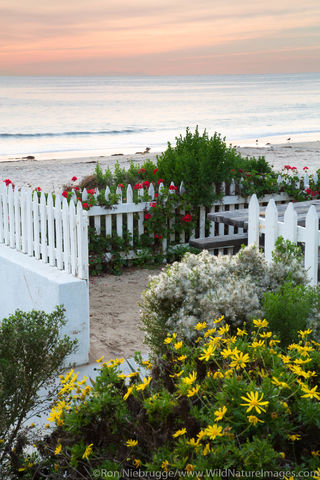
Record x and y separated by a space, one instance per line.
31 356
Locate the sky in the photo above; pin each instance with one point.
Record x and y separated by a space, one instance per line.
164 37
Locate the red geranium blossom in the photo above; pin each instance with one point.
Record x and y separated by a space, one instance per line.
156 195
65 194
120 185
187 218
153 204
138 186
7 181
160 181
157 236
91 192
86 205
76 188
173 187
147 216
146 183
38 189
294 168
141 170
305 168
73 179
287 167
155 170
240 170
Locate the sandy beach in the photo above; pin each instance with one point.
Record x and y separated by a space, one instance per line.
51 174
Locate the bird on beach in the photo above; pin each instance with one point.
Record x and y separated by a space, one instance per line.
147 150
288 139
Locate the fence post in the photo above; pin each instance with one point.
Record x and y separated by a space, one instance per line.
312 245
16 198
29 222
51 230
271 232
58 219
290 223
253 221
119 223
66 235
11 216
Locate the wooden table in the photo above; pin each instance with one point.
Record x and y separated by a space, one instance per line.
239 218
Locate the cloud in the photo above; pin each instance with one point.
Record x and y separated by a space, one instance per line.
45 35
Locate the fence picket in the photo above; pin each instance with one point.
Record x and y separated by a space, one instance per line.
43 228
82 238
73 238
1 214
119 217
17 218
66 236
290 231
23 221
29 222
312 245
36 225
51 229
271 232
5 214
11 217
129 196
253 221
58 232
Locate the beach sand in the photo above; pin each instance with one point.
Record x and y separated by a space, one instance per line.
51 174
114 300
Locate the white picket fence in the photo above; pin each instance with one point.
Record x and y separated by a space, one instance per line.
131 215
289 230
47 229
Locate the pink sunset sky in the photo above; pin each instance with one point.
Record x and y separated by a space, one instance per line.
164 37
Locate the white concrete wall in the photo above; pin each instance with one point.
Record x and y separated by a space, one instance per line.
28 284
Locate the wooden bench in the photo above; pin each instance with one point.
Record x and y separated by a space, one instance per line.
221 241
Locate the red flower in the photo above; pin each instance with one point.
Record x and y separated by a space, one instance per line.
294 168
160 181
91 192
248 174
173 187
65 194
120 185
73 179
153 204
146 183
309 191
138 186
287 167
141 170
38 189
155 171
76 188
86 205
7 181
187 218
157 236
156 195
240 170
147 216
305 168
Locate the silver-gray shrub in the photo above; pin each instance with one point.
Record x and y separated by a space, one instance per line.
203 287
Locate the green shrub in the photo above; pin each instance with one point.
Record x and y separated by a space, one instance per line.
200 160
204 286
224 401
291 308
31 355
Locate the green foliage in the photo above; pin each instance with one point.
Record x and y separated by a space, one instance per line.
223 401
31 355
292 308
200 161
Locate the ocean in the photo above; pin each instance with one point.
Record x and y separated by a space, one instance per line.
78 116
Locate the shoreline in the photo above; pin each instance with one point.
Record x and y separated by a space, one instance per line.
52 173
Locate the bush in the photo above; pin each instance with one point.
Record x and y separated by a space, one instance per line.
292 308
200 160
31 354
237 402
204 286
